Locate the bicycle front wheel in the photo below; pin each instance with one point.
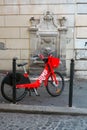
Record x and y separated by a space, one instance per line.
53 89
7 89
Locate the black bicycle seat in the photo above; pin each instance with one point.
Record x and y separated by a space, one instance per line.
22 64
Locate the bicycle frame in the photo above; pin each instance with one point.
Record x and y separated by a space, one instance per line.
46 73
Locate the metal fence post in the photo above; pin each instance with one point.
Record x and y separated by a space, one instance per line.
14 80
71 82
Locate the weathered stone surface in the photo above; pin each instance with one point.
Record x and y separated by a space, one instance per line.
81 54
39 9
81 44
81 20
81 32
81 1
51 1
9 32
81 74
81 65
82 8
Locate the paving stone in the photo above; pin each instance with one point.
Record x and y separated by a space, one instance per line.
15 121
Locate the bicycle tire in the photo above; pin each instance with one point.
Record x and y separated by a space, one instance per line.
55 90
7 88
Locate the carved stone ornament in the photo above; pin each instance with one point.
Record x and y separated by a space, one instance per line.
48 23
45 33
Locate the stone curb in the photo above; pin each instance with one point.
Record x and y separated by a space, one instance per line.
31 109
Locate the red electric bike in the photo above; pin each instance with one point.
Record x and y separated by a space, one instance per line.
52 80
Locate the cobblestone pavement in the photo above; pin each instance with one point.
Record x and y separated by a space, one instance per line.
13 121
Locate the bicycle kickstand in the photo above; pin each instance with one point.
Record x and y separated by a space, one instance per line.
35 90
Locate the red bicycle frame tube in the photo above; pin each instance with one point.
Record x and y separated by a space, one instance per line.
37 83
47 72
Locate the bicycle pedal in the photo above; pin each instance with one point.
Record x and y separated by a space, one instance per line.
32 90
38 95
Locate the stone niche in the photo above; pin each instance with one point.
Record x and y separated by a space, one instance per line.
47 33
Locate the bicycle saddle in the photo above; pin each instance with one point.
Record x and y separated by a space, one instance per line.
22 64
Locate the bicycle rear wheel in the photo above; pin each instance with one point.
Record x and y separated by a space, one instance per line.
7 88
53 89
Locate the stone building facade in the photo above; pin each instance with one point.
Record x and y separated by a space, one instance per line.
64 28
